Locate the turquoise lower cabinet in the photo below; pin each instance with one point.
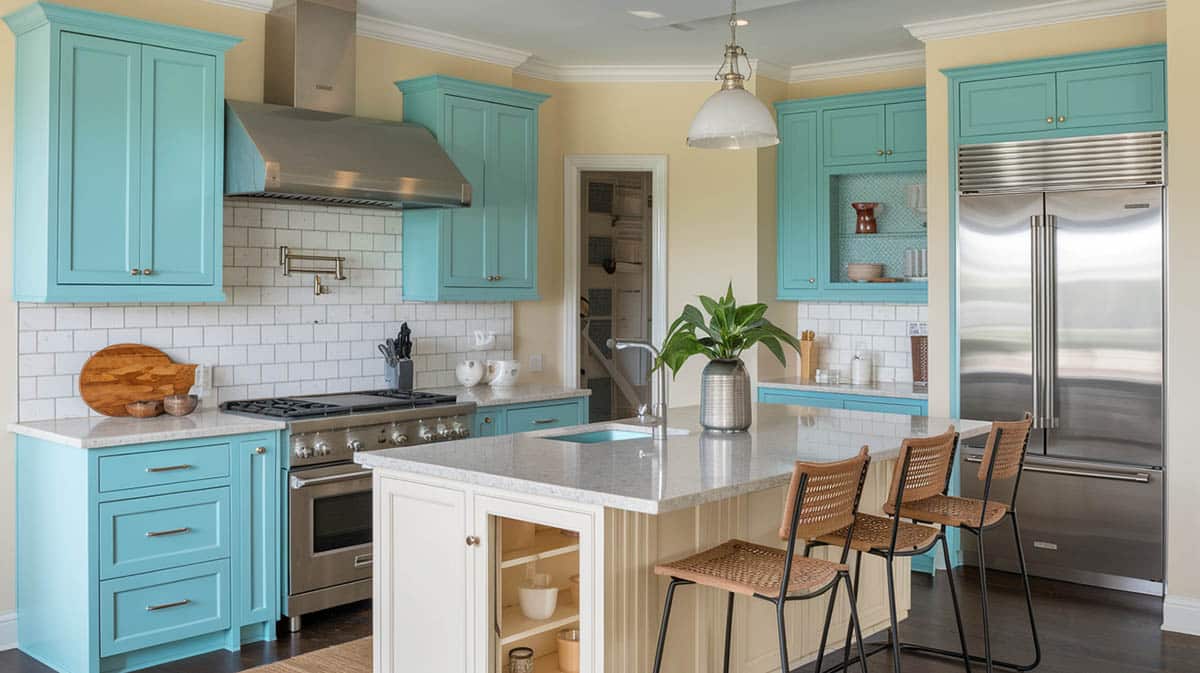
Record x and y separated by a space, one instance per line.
487 251
139 555
514 418
118 157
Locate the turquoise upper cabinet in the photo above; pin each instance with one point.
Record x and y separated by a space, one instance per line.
1117 91
1008 105
797 260
834 152
906 131
118 152
487 252
1119 94
854 135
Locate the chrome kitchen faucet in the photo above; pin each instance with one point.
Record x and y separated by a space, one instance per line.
660 409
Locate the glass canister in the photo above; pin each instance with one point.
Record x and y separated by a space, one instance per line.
520 660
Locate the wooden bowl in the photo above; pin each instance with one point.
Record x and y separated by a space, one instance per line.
144 408
864 272
180 405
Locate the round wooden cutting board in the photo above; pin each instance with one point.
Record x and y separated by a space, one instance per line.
124 373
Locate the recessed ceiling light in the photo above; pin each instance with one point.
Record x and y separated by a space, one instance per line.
645 14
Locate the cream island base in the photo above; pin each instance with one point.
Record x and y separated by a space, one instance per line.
453 541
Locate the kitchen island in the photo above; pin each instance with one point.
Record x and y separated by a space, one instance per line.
459 525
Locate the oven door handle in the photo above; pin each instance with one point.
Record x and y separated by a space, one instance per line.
299 482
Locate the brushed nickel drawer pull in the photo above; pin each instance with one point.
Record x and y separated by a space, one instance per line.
169 468
545 421
164 606
363 560
164 533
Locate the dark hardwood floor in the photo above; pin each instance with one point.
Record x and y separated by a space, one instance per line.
1083 630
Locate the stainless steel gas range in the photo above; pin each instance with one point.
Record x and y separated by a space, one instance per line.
327 497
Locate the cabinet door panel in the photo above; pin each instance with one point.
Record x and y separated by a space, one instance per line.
466 140
906 131
99 160
258 475
512 197
854 135
797 242
1119 94
1007 105
423 578
178 166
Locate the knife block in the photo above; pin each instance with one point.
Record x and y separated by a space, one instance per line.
400 376
808 361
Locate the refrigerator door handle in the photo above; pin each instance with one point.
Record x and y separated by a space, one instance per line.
1035 239
1050 322
1137 477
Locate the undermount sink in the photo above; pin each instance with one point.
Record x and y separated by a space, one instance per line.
598 436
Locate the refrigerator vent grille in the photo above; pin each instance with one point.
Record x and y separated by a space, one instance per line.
1064 164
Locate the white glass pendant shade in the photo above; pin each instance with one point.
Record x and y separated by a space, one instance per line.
733 119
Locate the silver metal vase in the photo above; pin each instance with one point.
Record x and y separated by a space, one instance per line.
725 396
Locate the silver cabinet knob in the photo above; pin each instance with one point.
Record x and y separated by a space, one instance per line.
261 450
879 152
147 272
1049 120
889 153
135 272
812 281
472 541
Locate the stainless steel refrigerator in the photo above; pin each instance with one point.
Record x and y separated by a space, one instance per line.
1060 313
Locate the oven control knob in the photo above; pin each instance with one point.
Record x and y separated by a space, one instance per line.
354 445
302 451
442 431
459 430
321 449
399 437
424 433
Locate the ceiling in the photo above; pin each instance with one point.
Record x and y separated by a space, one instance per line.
690 32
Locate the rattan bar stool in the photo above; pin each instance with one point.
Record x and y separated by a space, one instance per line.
922 471
822 498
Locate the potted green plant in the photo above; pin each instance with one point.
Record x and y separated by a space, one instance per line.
727 332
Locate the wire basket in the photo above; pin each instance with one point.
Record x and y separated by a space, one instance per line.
920 359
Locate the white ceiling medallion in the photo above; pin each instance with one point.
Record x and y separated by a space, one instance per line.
424 38
1063 11
864 65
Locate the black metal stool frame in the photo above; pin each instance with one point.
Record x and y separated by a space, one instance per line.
780 601
889 555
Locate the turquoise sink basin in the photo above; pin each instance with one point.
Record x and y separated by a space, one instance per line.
598 436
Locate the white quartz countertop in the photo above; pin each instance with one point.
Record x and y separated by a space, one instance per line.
690 469
100 432
488 396
911 391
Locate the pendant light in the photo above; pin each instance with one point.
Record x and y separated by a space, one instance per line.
733 118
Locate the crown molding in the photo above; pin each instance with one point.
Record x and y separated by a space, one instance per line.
424 38
1064 11
863 65
540 69
259 6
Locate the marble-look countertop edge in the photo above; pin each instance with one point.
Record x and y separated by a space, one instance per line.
522 393
217 425
897 390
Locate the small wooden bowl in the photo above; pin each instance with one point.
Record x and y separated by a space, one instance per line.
180 405
144 408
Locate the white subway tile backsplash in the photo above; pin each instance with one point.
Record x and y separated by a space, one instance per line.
271 336
879 329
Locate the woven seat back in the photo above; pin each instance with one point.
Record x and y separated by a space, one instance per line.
1009 451
830 496
928 461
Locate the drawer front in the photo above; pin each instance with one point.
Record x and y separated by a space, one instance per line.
165 606
156 468
776 396
909 408
542 417
145 534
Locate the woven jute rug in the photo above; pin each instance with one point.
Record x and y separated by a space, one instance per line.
351 657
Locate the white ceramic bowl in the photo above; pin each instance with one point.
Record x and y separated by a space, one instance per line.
503 373
470 372
863 272
537 602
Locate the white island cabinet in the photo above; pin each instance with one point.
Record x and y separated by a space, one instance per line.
459 525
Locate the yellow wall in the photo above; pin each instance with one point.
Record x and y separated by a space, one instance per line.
1061 39
1183 310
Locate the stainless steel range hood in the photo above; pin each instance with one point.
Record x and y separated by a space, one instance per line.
305 144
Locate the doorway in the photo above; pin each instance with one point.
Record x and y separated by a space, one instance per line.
615 278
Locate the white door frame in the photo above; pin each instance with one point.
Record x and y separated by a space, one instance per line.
574 166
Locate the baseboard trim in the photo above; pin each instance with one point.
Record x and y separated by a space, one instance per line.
1181 614
8 630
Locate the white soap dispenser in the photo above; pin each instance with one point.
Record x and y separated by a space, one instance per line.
860 369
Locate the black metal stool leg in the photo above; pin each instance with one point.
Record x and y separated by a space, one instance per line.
850 626
728 630
662 631
983 596
784 666
1037 646
853 594
894 634
962 636
825 628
